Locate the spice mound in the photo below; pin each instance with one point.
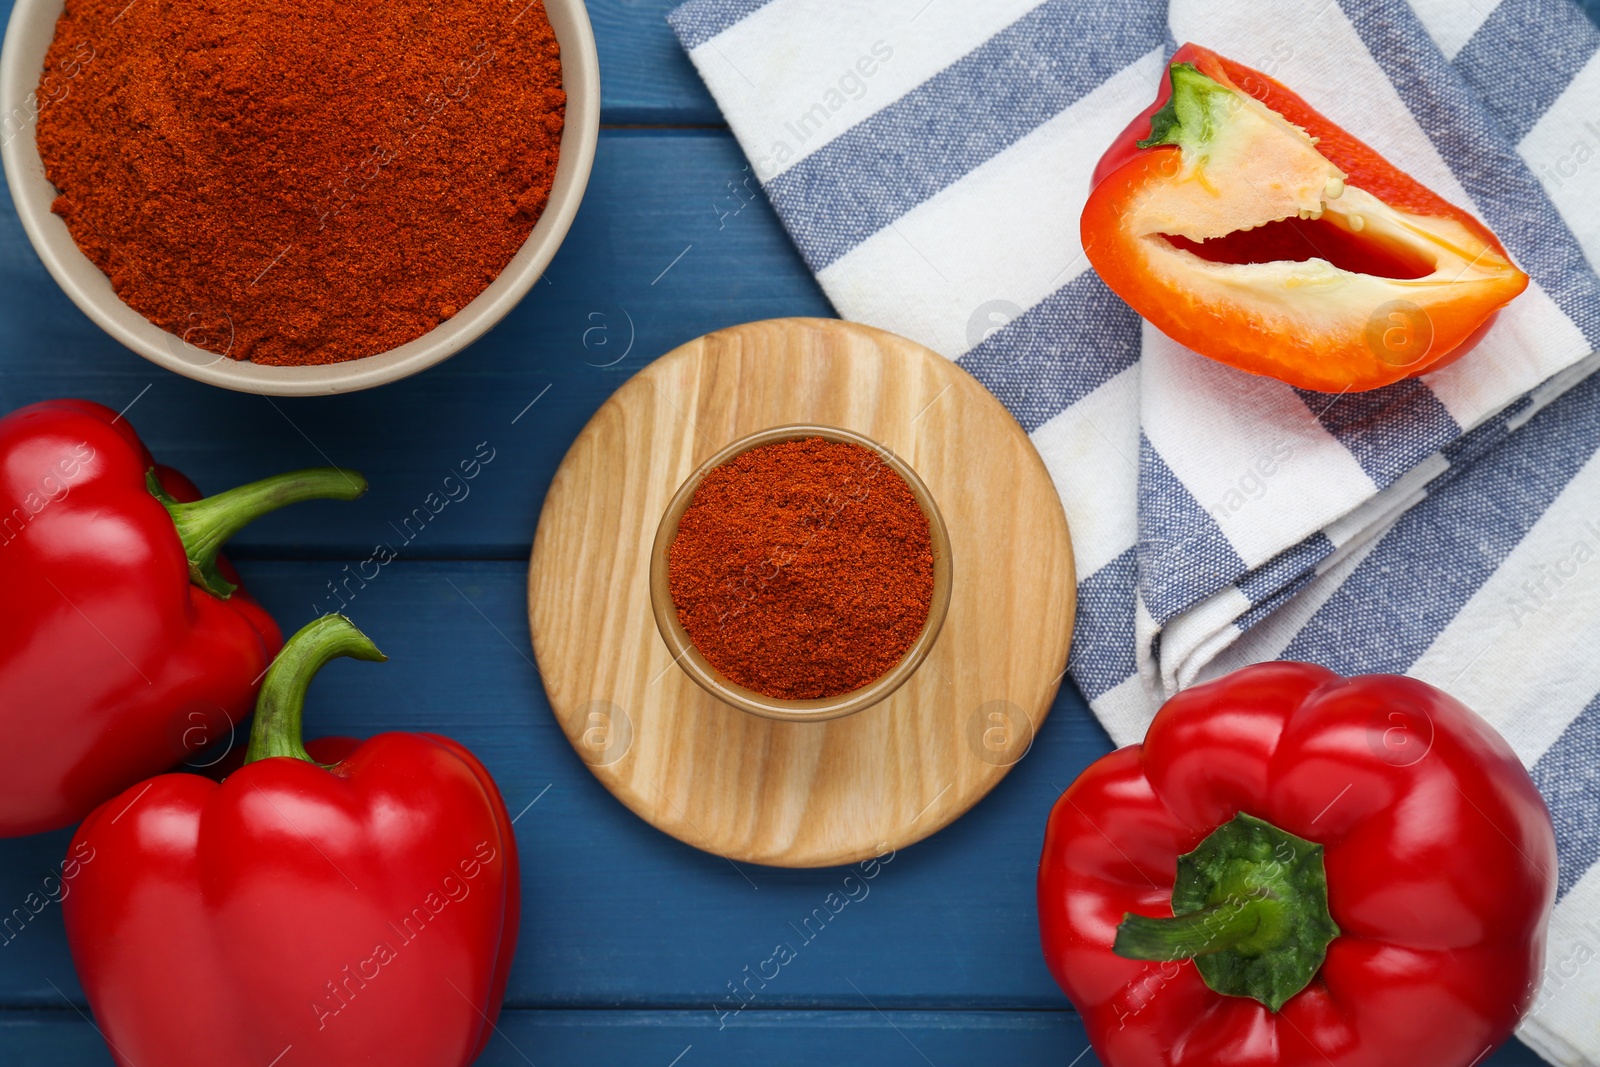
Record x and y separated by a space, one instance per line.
803 569
300 181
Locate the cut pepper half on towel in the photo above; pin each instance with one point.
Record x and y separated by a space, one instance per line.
1248 227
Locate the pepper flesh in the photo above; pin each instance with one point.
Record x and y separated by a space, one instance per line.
114 663
1246 226
362 912
1440 870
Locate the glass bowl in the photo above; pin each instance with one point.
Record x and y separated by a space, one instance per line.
732 693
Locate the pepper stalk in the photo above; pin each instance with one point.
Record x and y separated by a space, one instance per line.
280 709
1250 907
204 526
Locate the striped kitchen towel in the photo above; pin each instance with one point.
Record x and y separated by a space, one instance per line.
930 159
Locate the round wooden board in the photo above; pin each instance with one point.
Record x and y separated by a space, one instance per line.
801 794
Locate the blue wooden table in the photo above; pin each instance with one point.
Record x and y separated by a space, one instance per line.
631 941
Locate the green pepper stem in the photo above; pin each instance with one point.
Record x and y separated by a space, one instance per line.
1250 907
281 705
1197 106
204 526
1199 933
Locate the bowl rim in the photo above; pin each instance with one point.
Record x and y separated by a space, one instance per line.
689 658
21 68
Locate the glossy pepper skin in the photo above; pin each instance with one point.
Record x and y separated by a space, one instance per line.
115 663
363 912
1248 227
1438 851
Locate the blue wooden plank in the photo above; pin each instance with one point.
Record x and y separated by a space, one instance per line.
64 1038
684 1039
645 76
609 304
679 1039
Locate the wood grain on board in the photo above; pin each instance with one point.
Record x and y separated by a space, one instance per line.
801 794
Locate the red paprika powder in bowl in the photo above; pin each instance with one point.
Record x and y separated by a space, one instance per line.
298 198
801 573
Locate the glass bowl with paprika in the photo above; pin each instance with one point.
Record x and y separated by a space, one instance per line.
297 200
802 573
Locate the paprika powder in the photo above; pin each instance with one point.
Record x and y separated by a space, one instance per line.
301 181
803 569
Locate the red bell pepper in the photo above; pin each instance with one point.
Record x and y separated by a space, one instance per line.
1245 225
296 913
1299 869
125 643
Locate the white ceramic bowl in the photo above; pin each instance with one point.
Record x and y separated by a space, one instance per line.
28 36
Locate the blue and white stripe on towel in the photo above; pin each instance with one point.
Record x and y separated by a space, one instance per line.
931 160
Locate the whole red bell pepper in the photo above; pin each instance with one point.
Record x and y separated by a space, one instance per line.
1299 869
125 644
297 913
1248 227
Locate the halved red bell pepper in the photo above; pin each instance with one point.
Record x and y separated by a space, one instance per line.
299 913
1248 227
125 644
1297 870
